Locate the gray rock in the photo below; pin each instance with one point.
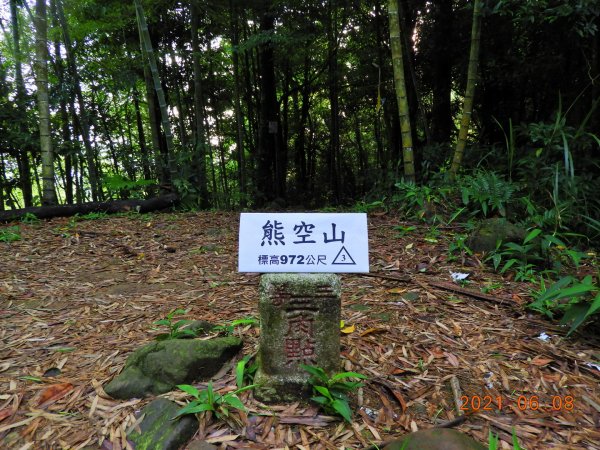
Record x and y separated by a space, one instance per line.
435 439
200 327
159 432
158 367
490 231
201 445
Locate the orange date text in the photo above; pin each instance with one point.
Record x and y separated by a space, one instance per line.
475 403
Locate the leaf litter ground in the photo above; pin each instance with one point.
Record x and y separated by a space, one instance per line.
76 298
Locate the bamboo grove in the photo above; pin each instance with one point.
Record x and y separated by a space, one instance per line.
235 103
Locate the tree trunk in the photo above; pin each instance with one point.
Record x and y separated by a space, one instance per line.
199 176
162 103
381 160
48 212
157 142
63 93
83 118
441 68
332 160
470 90
146 170
22 156
270 175
239 136
400 84
300 142
41 53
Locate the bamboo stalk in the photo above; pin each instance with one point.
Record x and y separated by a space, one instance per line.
401 96
470 90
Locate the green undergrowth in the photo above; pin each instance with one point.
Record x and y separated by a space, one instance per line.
560 233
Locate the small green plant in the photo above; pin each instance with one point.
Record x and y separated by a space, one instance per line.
576 299
533 254
331 392
422 202
30 219
458 248
490 287
493 441
94 216
245 370
403 230
432 235
175 328
364 207
10 234
230 328
209 400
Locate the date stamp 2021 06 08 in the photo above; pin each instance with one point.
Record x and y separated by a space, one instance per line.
476 403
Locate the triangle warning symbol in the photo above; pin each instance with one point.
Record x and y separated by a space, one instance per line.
343 258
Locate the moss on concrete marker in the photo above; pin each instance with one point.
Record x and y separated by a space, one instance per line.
299 324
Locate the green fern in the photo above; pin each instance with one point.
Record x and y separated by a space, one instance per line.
488 191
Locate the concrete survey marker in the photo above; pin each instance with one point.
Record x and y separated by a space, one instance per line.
300 324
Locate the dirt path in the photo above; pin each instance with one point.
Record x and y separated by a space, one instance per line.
77 297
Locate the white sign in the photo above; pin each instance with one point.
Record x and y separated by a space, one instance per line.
303 242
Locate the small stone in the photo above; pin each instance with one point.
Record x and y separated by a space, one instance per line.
201 445
52 372
300 321
158 367
435 439
200 327
490 231
157 429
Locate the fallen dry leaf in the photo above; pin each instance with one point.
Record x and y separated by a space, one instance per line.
372 330
539 361
349 329
5 413
396 290
53 393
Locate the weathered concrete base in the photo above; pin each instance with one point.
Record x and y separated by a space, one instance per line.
300 318
281 388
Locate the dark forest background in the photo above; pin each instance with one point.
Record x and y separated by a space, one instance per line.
235 104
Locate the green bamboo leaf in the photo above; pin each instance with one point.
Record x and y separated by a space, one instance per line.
508 265
240 369
575 316
210 393
323 391
342 408
575 291
532 235
316 372
245 388
30 378
343 375
194 408
186 332
233 400
188 389
595 306
320 400
181 323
